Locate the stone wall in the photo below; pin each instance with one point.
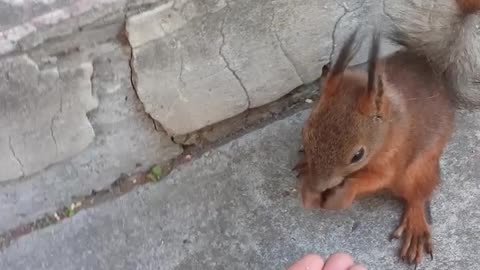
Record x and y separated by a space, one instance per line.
93 88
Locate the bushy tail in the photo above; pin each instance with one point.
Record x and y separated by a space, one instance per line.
447 33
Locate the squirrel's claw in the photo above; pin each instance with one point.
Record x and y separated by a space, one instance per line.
300 166
416 239
392 237
430 252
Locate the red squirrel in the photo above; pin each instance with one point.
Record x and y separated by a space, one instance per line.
386 129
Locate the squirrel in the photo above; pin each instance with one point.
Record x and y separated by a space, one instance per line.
386 128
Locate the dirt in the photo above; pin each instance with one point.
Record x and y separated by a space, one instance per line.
122 185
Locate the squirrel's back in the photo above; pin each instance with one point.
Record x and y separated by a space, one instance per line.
424 104
447 33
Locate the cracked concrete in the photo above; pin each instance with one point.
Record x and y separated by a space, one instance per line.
124 139
251 40
250 47
369 15
180 74
53 136
304 30
385 12
31 114
227 64
158 64
335 26
346 21
55 118
10 145
272 26
47 22
250 44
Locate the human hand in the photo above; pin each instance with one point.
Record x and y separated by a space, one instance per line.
337 261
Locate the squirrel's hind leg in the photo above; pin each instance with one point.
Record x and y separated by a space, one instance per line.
422 177
415 233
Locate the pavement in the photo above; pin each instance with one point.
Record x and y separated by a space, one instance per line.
235 208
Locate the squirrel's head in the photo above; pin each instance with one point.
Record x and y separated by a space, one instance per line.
346 126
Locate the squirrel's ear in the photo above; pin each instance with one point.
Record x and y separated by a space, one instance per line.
373 100
326 70
374 103
335 74
380 102
372 63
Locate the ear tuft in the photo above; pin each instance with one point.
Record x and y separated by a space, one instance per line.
373 102
326 69
379 94
335 74
346 54
372 61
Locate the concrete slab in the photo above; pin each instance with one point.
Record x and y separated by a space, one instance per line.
234 209
125 141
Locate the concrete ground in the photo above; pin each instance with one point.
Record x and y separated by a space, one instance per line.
234 208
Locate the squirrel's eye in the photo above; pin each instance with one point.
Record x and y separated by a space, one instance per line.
358 155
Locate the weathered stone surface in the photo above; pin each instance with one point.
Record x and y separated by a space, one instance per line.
305 30
14 12
264 48
298 99
166 17
235 209
44 20
368 15
286 42
43 114
251 47
178 87
125 141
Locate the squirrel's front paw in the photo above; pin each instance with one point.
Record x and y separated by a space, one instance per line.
416 236
337 198
300 168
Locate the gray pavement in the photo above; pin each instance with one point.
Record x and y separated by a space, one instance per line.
230 210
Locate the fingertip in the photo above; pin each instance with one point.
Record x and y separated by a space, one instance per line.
357 267
309 261
339 260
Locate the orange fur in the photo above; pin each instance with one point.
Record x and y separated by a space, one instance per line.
387 128
469 6
402 117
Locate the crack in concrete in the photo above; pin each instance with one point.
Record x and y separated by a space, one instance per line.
334 45
133 74
346 11
294 105
384 9
55 117
180 75
92 84
182 8
10 145
274 30
227 64
52 133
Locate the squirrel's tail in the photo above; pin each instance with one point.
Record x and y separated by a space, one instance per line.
447 33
